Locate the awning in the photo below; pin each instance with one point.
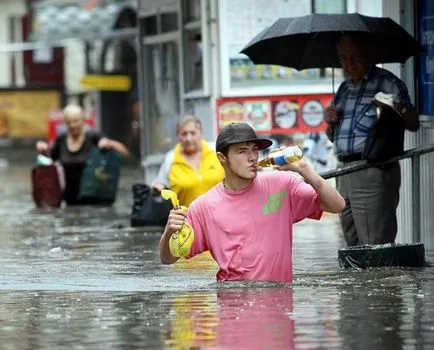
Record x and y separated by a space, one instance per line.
58 25
56 22
40 45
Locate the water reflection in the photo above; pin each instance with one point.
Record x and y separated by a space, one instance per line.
225 316
232 318
378 314
193 321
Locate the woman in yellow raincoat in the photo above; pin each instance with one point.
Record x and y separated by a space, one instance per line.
192 167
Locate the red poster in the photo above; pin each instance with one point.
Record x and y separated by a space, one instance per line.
275 114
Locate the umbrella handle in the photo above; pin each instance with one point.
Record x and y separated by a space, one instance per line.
333 85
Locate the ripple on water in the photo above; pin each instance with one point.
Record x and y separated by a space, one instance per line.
81 278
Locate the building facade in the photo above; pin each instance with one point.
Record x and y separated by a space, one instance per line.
74 47
10 10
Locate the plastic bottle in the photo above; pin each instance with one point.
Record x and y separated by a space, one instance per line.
285 156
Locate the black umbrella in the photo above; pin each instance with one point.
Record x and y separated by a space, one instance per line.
310 41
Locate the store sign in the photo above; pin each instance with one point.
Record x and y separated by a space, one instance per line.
426 64
24 113
275 114
106 82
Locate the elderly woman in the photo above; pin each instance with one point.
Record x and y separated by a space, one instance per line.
72 149
192 167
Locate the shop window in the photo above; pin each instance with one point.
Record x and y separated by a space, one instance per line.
169 22
330 6
163 77
237 30
193 47
149 25
191 10
193 66
143 4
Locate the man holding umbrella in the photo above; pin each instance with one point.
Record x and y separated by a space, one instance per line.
356 43
371 195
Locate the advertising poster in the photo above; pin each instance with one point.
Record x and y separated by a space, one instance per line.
291 120
230 112
241 21
276 114
285 114
258 114
426 64
24 113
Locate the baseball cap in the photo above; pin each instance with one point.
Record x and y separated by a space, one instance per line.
237 133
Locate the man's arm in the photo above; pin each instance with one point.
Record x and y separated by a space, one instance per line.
402 103
331 117
329 197
166 257
409 114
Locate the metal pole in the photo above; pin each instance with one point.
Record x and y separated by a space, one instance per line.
415 184
181 58
360 165
143 93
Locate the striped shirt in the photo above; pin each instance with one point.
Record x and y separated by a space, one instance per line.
357 112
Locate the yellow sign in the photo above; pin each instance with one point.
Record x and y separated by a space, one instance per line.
24 114
107 82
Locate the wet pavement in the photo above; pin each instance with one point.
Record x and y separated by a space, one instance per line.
81 278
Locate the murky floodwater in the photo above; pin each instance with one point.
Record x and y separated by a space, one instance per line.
81 278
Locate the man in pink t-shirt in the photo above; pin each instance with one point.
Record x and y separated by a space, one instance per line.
246 221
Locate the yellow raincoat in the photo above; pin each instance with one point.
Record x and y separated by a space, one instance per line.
188 183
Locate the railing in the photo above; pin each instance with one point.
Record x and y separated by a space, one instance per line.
414 154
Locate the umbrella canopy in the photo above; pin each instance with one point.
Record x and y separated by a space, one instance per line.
311 41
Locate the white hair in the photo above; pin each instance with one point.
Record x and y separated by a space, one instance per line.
72 110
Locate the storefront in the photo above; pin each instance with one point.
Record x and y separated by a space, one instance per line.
80 48
417 18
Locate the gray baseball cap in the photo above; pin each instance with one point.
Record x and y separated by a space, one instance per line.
237 133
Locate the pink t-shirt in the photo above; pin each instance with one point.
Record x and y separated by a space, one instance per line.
249 232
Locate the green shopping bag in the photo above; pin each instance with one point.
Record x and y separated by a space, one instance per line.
100 177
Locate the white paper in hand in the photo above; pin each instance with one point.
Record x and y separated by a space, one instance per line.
382 100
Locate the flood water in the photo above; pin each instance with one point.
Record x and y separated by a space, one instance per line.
81 278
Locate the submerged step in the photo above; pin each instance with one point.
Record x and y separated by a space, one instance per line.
377 255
